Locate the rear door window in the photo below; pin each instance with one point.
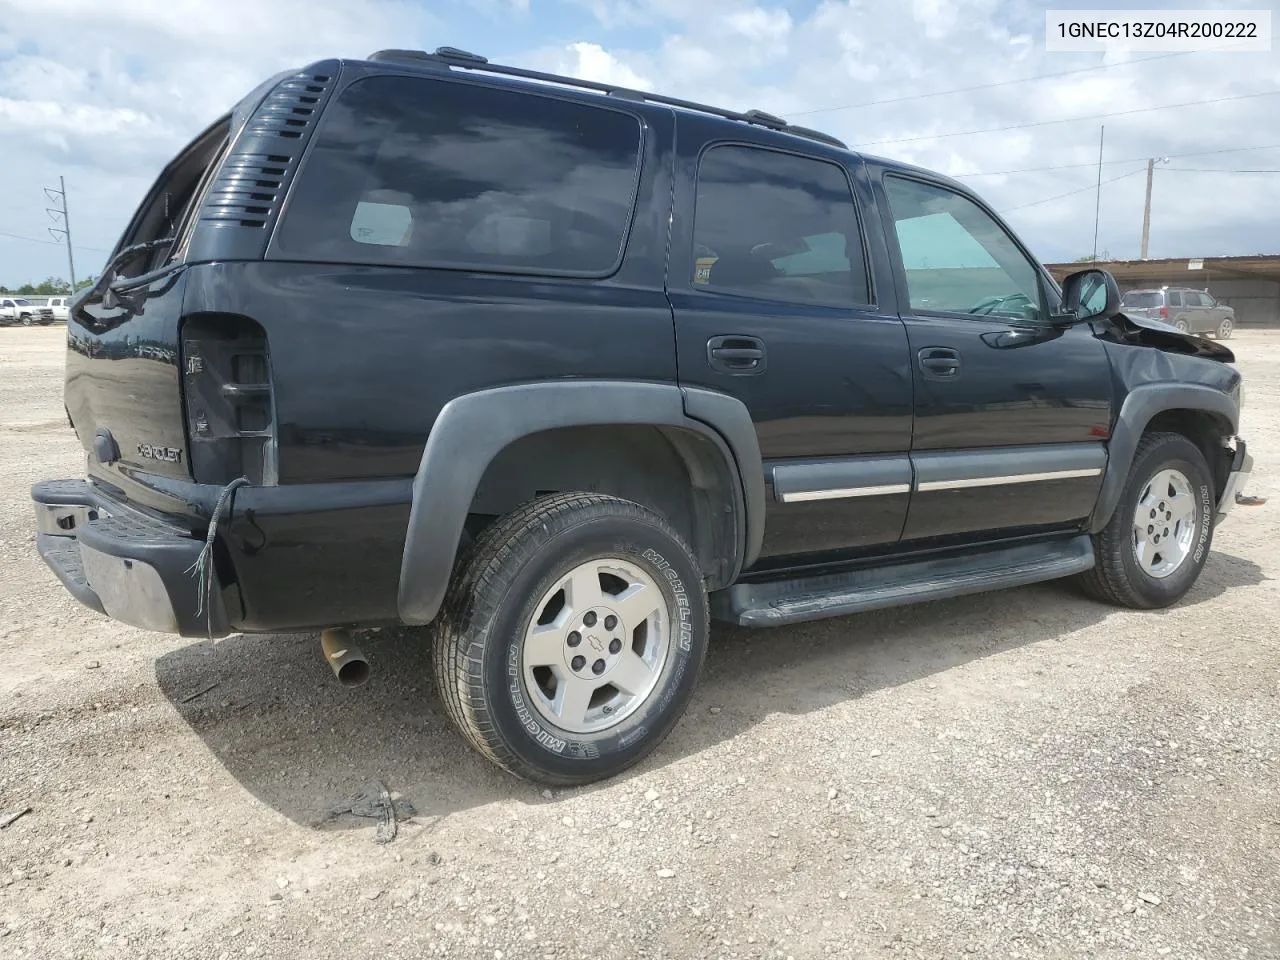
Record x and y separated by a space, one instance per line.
432 173
1175 299
778 227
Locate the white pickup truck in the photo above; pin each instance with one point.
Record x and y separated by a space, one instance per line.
18 310
60 307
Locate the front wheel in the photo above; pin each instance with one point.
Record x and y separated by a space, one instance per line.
572 637
1152 550
1225 328
26 319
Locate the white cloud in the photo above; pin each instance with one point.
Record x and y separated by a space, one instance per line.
589 61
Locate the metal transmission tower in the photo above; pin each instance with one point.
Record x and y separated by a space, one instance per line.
64 231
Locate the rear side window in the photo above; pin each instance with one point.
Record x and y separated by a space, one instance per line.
777 226
1175 299
1141 300
431 173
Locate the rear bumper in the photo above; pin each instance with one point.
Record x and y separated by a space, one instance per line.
1241 469
122 563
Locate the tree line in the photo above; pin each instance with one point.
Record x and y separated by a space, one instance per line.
48 287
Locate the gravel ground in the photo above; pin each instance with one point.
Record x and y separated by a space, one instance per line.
1023 774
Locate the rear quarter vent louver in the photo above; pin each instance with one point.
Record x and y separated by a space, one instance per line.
249 188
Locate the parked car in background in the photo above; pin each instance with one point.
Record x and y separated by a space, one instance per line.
59 306
18 310
1189 310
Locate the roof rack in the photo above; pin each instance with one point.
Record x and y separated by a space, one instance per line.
463 59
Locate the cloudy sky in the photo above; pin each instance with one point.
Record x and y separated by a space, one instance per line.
104 92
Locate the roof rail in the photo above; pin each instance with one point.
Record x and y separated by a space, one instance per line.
465 60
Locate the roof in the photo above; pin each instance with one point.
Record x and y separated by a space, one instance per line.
451 58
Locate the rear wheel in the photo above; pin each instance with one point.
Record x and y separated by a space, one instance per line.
1157 541
1183 326
1225 329
572 638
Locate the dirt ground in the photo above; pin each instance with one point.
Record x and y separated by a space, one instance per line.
1023 774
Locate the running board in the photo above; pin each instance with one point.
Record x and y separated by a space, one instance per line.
834 595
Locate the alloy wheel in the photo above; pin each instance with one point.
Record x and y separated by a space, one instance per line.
596 645
1164 524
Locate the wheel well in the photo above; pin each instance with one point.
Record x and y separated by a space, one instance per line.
679 474
1208 431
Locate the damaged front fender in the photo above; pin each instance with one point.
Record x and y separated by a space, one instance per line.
1143 332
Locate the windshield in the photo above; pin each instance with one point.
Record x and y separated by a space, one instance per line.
1142 299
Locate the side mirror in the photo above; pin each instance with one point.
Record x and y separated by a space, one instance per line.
1091 295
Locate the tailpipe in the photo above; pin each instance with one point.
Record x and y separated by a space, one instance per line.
344 657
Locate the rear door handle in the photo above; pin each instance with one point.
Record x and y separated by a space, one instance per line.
736 355
940 363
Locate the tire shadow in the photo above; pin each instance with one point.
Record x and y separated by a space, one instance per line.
270 711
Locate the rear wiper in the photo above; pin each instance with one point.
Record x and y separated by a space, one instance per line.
108 276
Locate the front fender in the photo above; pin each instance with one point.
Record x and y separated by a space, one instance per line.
1140 406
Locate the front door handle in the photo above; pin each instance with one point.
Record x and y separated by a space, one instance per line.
940 363
736 355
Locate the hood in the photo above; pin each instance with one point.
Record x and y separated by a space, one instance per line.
1145 332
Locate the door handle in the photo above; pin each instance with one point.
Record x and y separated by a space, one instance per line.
739 356
940 362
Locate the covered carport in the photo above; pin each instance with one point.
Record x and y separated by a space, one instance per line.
1250 285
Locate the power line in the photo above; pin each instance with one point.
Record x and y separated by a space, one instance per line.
1045 123
1072 166
1069 193
1215 170
52 243
988 86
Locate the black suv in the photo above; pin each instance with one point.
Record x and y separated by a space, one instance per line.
565 369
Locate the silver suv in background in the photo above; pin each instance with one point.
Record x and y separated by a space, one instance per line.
1191 311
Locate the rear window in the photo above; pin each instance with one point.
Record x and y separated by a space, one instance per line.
431 173
1142 301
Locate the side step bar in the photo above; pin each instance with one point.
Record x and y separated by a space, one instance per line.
835 595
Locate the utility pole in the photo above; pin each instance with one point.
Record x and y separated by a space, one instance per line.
1146 212
1097 204
1146 207
55 196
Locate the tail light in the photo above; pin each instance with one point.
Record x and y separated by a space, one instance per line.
229 404
1164 312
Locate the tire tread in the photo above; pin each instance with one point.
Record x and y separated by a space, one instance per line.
475 593
1108 581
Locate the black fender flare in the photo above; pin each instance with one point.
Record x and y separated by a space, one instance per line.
1140 406
472 429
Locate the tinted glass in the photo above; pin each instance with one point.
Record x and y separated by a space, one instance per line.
1141 301
957 258
417 171
1192 299
1175 299
777 226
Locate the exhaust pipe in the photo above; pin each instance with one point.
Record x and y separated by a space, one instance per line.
344 657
